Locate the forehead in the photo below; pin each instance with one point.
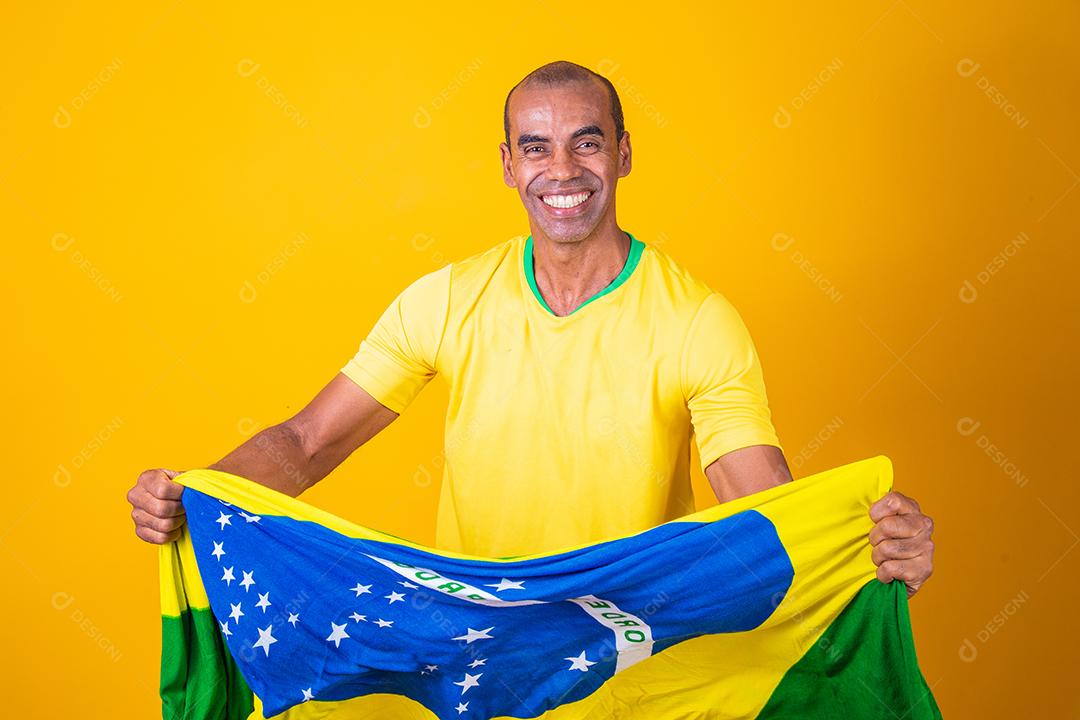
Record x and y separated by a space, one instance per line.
565 107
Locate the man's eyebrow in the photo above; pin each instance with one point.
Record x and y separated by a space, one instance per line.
588 130
526 139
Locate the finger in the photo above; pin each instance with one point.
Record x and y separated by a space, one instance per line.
893 503
899 526
155 537
155 506
160 524
158 484
902 549
913 571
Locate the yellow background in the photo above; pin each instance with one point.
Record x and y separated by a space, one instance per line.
205 210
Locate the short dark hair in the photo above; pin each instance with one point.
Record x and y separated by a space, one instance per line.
564 72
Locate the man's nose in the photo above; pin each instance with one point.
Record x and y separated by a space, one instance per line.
563 165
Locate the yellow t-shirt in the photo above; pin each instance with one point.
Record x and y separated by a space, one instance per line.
564 431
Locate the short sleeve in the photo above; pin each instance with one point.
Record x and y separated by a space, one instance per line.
397 358
723 383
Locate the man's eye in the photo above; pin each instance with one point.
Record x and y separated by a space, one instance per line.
533 147
588 142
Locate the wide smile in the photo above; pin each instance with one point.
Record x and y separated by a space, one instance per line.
567 205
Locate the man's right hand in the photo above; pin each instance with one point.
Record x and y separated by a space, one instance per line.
156 507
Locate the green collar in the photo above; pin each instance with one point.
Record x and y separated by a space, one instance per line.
636 247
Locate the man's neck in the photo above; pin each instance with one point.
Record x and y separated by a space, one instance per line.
568 274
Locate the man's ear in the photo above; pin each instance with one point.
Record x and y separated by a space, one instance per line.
625 154
507 165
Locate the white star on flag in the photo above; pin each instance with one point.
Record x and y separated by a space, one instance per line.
250 518
337 634
395 597
266 639
293 617
384 623
361 589
357 617
225 628
477 663
469 682
408 584
236 613
462 707
307 694
431 668
228 576
472 635
505 584
218 550
248 581
264 601
223 519
579 662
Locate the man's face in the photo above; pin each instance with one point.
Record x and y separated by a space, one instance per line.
564 149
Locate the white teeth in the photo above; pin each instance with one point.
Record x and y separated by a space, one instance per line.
566 201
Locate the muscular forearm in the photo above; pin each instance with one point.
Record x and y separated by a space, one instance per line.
288 457
299 452
747 471
275 457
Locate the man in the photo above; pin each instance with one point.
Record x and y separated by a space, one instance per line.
580 360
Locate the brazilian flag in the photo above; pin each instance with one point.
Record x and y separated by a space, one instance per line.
763 607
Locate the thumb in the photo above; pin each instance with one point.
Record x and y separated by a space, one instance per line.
171 474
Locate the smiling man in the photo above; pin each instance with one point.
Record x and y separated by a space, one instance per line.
581 362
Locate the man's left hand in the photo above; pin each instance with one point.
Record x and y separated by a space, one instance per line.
903 547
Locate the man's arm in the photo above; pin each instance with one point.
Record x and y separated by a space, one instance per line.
294 455
289 457
902 534
747 470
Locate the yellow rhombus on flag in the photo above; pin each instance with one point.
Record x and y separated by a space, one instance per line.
763 607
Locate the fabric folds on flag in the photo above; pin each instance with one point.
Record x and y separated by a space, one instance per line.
763 607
